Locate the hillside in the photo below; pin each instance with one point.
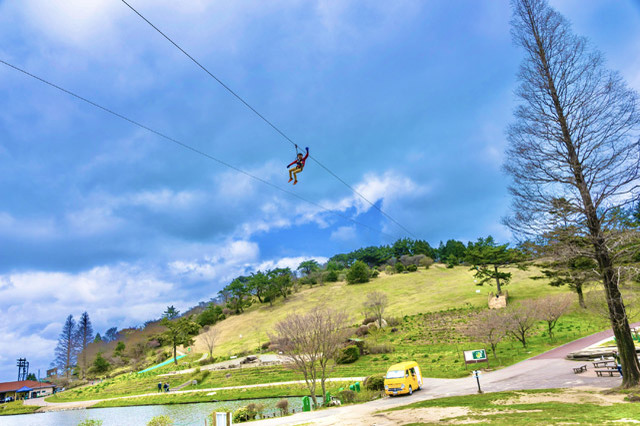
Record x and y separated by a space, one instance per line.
435 289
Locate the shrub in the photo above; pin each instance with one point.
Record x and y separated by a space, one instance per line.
283 406
244 414
358 273
90 422
412 268
100 365
393 321
375 382
347 395
426 262
331 276
119 350
160 421
363 330
380 349
349 354
227 312
399 267
369 320
375 274
389 270
342 277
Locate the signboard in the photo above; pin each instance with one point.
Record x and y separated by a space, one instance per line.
475 356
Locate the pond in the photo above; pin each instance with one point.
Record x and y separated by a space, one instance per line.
182 414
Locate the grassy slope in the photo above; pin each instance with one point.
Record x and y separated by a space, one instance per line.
430 290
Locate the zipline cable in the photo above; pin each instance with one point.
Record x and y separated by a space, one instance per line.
273 126
189 147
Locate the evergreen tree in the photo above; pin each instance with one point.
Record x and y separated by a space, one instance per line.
171 313
179 332
67 349
488 258
84 336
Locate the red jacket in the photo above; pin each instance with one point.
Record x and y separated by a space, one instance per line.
300 162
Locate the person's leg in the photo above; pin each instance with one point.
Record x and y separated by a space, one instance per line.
291 174
295 174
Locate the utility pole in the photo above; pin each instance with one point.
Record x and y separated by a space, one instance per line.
476 374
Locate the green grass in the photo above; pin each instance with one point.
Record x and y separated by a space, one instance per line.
435 289
221 395
491 409
16 407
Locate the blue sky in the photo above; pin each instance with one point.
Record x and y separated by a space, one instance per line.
407 101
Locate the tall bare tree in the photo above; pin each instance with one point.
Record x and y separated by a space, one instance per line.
519 320
575 137
375 304
66 351
311 343
210 338
487 327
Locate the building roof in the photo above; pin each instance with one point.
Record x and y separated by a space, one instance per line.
14 386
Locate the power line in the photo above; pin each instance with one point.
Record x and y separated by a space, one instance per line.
190 148
256 112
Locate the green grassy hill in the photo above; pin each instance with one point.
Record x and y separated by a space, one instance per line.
430 290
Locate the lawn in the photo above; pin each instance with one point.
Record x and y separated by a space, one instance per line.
436 289
551 406
16 407
221 395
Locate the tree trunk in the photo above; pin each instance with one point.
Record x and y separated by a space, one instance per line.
580 296
495 268
175 354
617 314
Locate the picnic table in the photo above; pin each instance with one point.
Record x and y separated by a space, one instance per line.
604 363
609 371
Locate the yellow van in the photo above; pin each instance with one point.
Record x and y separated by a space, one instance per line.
403 378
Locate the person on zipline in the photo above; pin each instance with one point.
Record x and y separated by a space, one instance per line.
299 162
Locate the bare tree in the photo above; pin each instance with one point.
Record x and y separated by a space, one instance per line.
311 341
210 338
376 303
487 327
576 138
551 308
519 319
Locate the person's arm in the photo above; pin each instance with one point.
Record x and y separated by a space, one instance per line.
292 163
305 157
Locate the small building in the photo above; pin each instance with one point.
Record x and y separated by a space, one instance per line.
25 389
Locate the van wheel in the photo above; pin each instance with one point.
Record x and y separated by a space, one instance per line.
410 391
419 387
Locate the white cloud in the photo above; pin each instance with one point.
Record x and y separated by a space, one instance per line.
344 233
289 262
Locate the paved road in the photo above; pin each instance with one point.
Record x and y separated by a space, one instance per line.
548 370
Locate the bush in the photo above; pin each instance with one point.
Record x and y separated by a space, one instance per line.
369 320
211 315
399 267
244 414
160 421
347 395
90 422
375 274
358 273
412 268
349 354
283 406
363 330
380 349
393 321
374 382
331 276
426 262
389 270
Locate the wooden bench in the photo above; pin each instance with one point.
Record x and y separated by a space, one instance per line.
610 372
581 369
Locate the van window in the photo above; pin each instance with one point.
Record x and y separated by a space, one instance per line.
395 374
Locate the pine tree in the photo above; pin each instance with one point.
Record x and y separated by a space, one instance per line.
67 349
84 336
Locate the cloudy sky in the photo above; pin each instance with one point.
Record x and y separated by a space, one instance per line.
407 101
